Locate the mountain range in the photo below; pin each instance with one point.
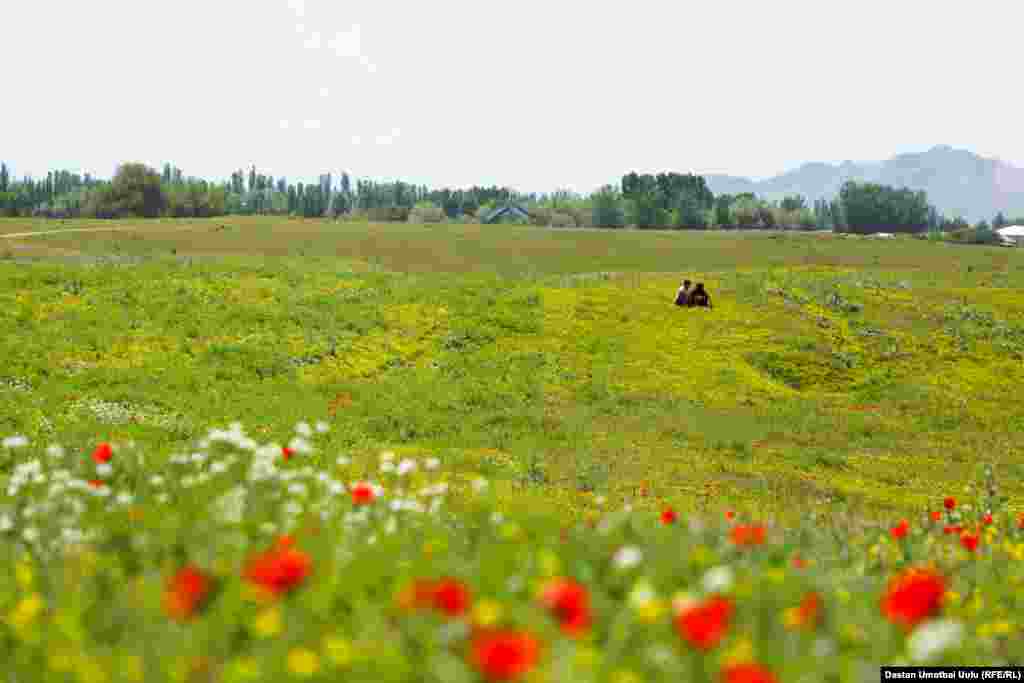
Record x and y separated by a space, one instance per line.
958 182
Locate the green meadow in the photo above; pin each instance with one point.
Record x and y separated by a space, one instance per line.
872 374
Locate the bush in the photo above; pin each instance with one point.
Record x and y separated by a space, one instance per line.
427 215
382 214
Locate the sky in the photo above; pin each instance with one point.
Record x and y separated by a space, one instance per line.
532 95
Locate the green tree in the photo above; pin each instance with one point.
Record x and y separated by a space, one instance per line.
4 177
135 189
608 210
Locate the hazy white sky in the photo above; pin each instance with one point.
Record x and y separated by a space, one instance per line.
534 95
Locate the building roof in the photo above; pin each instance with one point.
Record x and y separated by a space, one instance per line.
498 213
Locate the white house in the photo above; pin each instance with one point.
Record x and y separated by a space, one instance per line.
1013 233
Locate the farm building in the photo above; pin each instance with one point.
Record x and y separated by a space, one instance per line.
509 211
1013 233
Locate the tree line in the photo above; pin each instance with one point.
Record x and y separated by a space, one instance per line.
666 200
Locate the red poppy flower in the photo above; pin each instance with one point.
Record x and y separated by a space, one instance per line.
103 453
935 515
362 494
900 530
730 515
748 673
949 503
280 569
186 592
287 453
808 614
668 516
952 529
96 483
748 534
570 603
970 541
451 596
705 624
913 596
799 562
1020 521
987 519
504 655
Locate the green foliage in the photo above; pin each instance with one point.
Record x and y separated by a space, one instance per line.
868 207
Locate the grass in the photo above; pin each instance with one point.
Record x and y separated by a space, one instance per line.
576 360
838 383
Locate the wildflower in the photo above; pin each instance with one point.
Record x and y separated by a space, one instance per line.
900 530
279 569
933 637
362 493
479 485
486 613
951 529
102 453
718 579
447 595
668 516
987 519
268 623
806 615
799 562
322 427
970 541
570 603
405 467
303 662
504 655
949 503
744 535
17 441
627 557
287 453
303 429
26 611
96 483
748 673
186 592
338 650
432 463
730 515
935 515
913 596
1020 521
703 625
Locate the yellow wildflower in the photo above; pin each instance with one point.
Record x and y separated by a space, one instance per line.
303 662
26 611
741 652
338 650
951 597
131 665
23 575
486 612
625 676
651 611
587 658
268 623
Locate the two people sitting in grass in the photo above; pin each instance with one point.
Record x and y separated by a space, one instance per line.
697 297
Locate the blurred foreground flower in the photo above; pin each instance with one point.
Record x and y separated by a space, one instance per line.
913 596
504 655
703 625
103 453
279 569
933 637
186 592
745 535
447 595
748 673
569 602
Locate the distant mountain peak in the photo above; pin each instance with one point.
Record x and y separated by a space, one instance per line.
957 181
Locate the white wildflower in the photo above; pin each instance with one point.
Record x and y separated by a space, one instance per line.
387 467
31 534
6 522
432 463
823 647
104 469
292 509
391 526
335 488
627 557
162 498
125 498
718 579
600 501
303 429
497 518
933 637
55 451
479 485
218 468
343 461
322 426
387 456
298 489
405 467
16 441
300 445
156 480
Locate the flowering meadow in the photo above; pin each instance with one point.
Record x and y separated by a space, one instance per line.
503 455
237 560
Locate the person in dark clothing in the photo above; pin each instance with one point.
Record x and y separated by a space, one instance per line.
683 295
699 297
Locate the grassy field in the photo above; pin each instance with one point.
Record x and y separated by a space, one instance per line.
830 368
838 383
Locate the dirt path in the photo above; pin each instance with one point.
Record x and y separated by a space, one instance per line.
112 228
